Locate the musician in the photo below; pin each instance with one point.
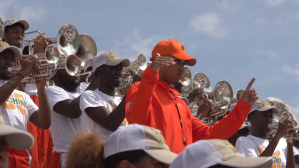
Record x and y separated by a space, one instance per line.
14 36
17 107
257 143
65 113
103 111
154 103
296 152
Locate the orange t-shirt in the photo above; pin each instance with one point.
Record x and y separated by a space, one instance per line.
150 103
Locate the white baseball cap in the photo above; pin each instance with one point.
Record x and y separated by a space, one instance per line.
139 137
12 21
263 105
206 153
6 46
88 64
109 58
15 138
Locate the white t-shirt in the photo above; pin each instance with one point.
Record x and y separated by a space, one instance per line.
17 109
252 146
96 98
31 89
295 151
82 87
63 128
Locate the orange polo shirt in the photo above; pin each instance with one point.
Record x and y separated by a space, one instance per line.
150 103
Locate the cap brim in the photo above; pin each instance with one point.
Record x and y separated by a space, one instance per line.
274 109
164 156
15 50
16 138
25 23
191 61
116 61
256 162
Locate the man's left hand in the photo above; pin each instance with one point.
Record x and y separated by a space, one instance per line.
250 95
39 44
40 84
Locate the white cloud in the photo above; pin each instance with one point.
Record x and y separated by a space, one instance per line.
274 2
270 54
5 8
209 24
261 21
133 44
291 70
31 13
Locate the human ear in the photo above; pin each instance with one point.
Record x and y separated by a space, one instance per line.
126 164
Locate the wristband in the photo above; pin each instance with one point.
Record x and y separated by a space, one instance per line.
11 82
20 75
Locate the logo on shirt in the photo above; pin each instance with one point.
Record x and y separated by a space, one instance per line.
15 100
275 156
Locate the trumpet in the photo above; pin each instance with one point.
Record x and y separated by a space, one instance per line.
67 40
135 68
48 61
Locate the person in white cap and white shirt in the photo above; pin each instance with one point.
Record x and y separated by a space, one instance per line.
83 78
17 107
134 146
65 113
257 144
103 111
13 138
216 153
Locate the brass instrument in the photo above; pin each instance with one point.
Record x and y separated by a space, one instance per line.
74 63
135 68
285 112
67 40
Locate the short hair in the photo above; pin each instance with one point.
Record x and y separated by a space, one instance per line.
10 26
133 156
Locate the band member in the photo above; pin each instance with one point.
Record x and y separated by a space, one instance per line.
15 139
66 114
134 146
296 152
17 107
14 36
154 103
216 153
257 143
243 131
102 109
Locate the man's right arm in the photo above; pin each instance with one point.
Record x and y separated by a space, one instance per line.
61 103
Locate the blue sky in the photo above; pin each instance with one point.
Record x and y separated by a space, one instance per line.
232 40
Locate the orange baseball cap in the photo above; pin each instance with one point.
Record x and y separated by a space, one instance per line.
174 48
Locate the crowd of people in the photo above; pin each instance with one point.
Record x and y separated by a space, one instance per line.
82 121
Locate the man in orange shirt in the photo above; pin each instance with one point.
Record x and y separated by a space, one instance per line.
153 102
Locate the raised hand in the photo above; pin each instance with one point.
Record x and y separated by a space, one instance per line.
194 95
204 108
283 127
250 95
40 43
27 64
40 84
161 61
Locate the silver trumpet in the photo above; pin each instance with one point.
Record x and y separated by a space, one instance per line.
135 68
45 70
67 40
